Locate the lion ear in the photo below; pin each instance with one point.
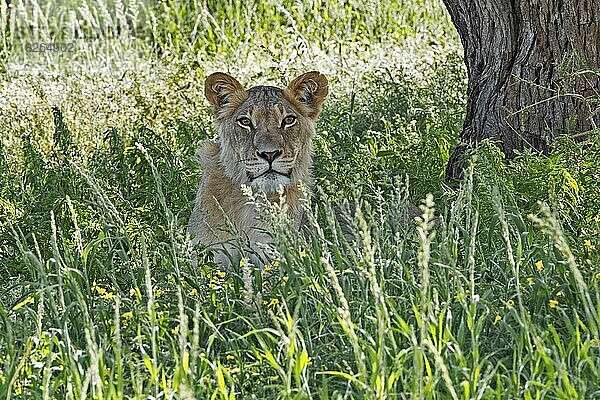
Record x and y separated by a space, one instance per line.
310 90
219 87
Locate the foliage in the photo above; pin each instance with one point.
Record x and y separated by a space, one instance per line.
492 293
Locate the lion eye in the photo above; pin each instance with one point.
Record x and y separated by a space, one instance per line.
244 122
288 121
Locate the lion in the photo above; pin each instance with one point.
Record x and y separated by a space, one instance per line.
264 142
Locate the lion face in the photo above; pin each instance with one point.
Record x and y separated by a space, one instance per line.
265 132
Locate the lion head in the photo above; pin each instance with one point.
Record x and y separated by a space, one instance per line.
265 132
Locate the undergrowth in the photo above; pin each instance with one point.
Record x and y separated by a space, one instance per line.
492 293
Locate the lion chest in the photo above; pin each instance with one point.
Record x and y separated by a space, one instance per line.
227 212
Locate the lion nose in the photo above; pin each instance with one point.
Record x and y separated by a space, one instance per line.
270 156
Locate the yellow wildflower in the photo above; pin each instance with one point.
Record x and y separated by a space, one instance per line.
588 245
530 281
135 293
598 275
127 314
98 289
273 303
497 319
510 303
274 378
267 268
553 303
302 253
221 274
193 292
108 296
230 357
539 265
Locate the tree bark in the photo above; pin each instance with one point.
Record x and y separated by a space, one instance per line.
533 71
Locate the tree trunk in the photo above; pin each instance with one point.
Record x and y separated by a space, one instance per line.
533 69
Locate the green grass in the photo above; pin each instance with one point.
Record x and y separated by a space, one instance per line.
493 293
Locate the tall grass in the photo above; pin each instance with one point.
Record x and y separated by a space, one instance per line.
491 293
381 310
215 27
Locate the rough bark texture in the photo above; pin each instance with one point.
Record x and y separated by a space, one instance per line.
533 69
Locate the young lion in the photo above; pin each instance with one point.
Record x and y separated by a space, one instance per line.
264 141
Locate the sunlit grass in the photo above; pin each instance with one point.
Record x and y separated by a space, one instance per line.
492 293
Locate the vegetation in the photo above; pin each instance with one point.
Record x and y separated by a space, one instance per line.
492 293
